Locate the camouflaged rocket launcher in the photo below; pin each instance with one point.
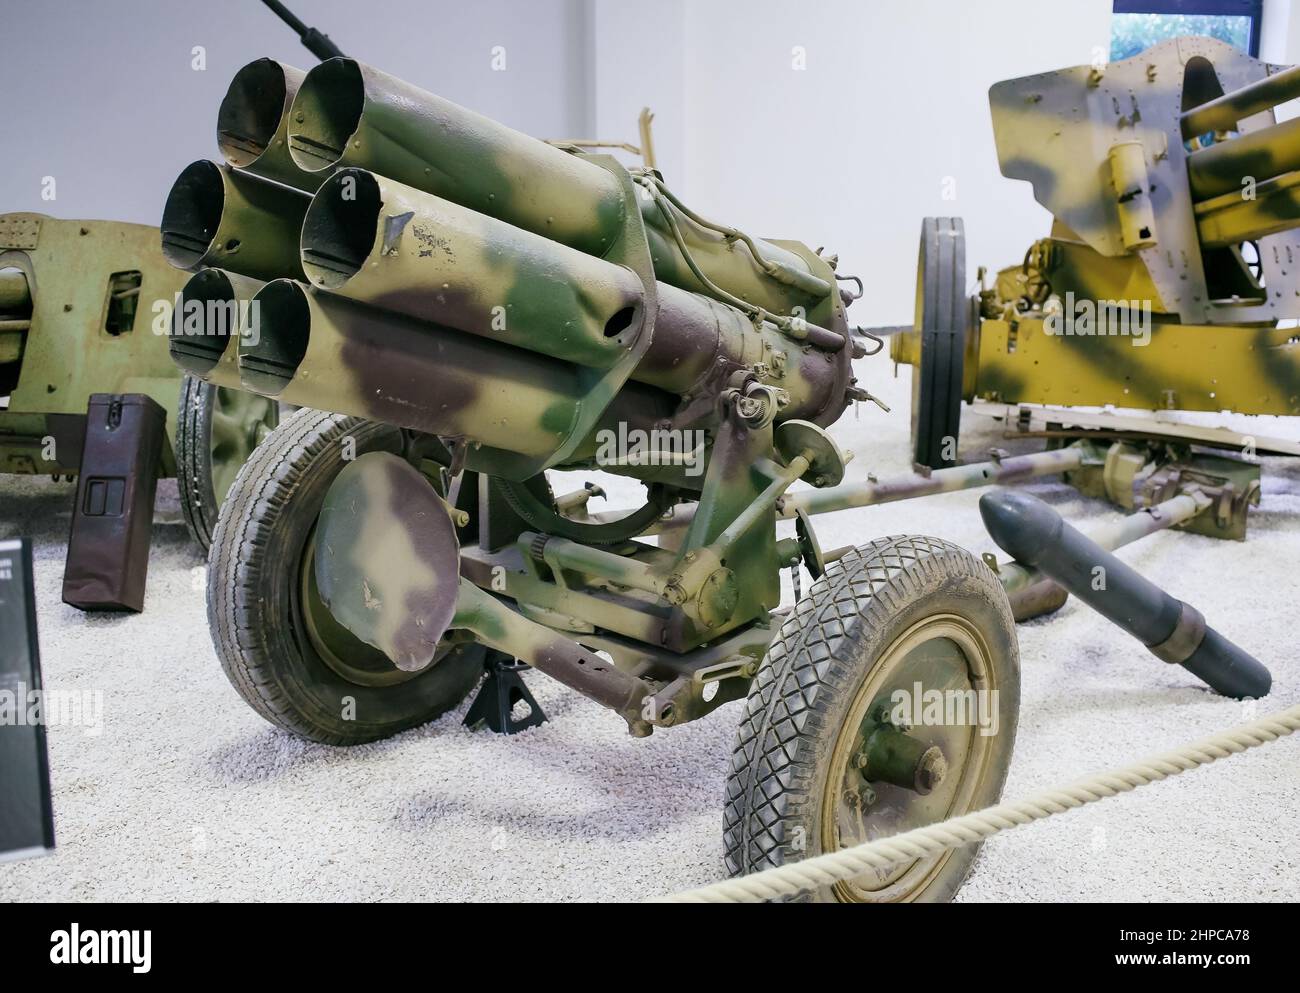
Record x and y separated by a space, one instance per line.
519 302
1172 257
467 308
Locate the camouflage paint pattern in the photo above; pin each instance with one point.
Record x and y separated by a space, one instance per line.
416 254
218 216
702 341
1011 469
413 253
386 558
559 657
1057 130
1157 169
212 308
253 123
349 114
317 349
386 566
1250 370
327 351
471 283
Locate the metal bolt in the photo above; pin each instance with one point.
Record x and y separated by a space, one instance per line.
931 770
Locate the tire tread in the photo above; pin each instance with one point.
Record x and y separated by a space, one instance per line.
787 714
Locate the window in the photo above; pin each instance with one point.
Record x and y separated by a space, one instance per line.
1139 24
123 298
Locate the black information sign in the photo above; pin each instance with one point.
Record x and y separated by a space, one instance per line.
26 814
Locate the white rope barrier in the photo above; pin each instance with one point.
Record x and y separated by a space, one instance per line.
823 870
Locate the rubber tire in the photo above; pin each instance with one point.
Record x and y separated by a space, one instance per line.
943 313
193 460
199 505
252 575
807 682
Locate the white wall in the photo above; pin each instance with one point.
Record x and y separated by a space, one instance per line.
638 58
854 150
1280 39
102 96
850 152
1280 42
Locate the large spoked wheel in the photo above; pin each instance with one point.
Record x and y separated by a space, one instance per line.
216 431
943 317
278 643
887 701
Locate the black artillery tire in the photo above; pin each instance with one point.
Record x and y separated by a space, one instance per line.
206 466
823 659
199 506
942 316
257 599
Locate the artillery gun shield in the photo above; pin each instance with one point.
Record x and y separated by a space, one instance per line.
942 319
73 324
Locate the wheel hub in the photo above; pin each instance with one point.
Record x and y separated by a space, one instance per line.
888 776
891 755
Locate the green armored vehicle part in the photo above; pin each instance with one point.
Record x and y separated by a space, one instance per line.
1168 280
80 303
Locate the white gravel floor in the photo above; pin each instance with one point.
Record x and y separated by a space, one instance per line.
187 795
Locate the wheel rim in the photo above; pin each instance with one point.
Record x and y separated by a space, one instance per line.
942 652
342 651
240 421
